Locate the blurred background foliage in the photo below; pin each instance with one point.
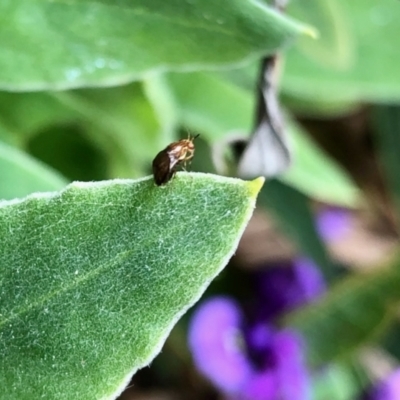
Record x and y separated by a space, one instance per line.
340 94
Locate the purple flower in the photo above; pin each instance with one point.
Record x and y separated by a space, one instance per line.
333 223
281 288
259 363
214 338
389 389
243 354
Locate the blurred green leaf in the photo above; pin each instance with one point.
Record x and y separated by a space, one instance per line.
24 114
387 127
390 341
350 315
357 58
121 122
203 160
22 174
292 209
54 45
6 135
214 106
94 277
334 48
159 94
312 107
69 150
316 173
336 382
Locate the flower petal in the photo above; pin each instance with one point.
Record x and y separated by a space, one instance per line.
282 288
214 340
389 389
261 386
309 279
292 374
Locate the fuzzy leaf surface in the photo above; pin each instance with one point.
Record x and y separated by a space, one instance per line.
94 277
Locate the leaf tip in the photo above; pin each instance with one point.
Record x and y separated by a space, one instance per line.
255 185
310 31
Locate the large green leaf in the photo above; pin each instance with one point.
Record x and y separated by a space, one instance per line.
353 313
356 58
93 278
22 174
57 44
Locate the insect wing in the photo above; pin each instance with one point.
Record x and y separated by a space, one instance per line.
177 152
162 169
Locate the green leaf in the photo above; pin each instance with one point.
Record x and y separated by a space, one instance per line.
335 45
352 314
54 45
293 211
22 174
118 121
336 382
68 149
390 340
121 122
93 278
316 173
211 104
387 126
24 114
361 37
6 136
160 96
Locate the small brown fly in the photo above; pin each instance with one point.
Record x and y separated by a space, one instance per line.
167 160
